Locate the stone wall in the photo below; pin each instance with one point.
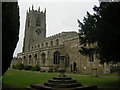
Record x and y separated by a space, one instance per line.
45 51
68 45
58 37
78 62
15 61
35 28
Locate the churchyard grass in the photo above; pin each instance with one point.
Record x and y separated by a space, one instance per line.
22 79
101 82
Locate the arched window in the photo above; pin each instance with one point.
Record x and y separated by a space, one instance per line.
32 47
56 58
91 58
67 61
35 59
30 62
38 46
46 44
30 56
51 43
43 58
42 45
24 60
38 21
35 46
74 66
57 42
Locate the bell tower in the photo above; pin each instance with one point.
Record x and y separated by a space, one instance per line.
35 28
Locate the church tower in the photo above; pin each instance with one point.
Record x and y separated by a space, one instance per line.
35 28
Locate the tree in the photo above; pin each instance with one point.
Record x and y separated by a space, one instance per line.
99 33
10 32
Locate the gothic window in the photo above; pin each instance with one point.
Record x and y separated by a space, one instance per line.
74 66
30 60
91 58
25 60
46 44
57 42
38 21
35 58
38 46
71 67
56 58
67 61
30 56
32 47
43 58
51 43
42 45
28 22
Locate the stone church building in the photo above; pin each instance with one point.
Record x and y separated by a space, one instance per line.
45 51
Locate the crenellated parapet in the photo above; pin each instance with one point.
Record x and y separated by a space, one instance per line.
35 28
55 40
32 10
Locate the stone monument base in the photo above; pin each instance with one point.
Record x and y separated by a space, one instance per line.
61 83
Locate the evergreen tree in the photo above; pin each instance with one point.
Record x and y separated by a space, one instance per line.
101 32
10 32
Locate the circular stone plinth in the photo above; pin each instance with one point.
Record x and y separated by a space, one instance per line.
42 87
62 78
61 83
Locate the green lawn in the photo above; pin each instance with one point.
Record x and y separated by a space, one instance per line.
106 75
22 79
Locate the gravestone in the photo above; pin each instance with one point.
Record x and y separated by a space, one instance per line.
94 73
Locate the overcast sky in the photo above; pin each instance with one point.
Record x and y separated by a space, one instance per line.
60 16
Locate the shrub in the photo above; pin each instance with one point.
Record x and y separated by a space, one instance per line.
43 70
27 67
50 70
14 66
68 70
36 67
19 66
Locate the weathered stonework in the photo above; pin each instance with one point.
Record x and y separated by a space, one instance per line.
45 51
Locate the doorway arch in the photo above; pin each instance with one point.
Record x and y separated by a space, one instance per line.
71 68
74 66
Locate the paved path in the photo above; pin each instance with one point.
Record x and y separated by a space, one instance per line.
75 74
91 76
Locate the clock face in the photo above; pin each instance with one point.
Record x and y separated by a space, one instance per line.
38 31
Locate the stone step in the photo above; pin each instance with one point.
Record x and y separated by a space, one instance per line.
62 78
39 87
62 81
71 85
43 87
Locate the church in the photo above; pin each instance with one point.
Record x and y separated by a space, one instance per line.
45 51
